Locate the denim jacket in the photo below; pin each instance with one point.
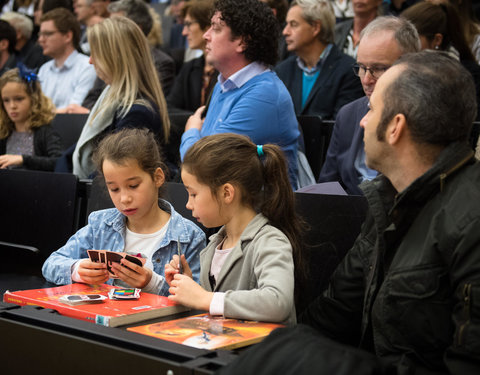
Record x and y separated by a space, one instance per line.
106 231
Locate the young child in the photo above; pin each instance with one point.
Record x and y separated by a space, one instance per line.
26 138
247 270
131 165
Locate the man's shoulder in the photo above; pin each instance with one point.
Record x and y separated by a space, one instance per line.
287 65
45 67
462 189
79 59
339 59
161 57
359 105
266 87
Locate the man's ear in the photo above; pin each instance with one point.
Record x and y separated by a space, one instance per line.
69 36
227 193
317 28
242 45
397 129
159 177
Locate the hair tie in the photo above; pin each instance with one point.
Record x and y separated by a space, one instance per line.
260 151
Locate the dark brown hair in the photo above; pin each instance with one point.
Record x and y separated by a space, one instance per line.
263 180
443 18
200 10
137 144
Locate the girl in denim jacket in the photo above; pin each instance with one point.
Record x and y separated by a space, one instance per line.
131 165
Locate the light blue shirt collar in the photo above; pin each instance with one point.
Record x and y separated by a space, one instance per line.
239 78
68 64
318 65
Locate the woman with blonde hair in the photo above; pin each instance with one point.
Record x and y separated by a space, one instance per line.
26 138
133 97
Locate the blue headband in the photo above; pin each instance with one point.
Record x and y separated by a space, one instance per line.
260 151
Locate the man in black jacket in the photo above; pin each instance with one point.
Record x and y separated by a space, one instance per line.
408 292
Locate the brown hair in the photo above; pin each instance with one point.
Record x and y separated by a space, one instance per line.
200 10
263 180
42 110
442 18
64 21
130 144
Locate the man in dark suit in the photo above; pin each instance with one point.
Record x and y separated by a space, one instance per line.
319 76
382 42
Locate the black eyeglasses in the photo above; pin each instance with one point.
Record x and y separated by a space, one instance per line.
375 71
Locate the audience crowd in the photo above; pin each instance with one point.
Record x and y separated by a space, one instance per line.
400 79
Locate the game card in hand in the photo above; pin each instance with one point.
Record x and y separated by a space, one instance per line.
108 257
136 260
94 256
112 257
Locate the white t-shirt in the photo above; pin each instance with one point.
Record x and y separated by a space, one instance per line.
146 245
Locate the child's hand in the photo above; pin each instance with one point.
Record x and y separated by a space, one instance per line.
133 274
8 160
187 292
173 268
92 273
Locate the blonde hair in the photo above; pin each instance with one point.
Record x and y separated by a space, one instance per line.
42 110
121 51
155 36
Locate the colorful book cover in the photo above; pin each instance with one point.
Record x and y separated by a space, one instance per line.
208 332
110 313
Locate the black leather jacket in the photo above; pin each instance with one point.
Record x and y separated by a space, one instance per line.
409 289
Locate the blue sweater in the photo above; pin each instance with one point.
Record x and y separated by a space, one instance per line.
261 109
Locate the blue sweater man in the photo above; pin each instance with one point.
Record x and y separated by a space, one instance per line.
248 98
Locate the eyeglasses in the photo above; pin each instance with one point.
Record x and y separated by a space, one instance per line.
187 24
47 34
375 71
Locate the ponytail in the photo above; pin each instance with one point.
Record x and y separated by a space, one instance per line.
260 172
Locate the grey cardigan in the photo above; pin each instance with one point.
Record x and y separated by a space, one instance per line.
257 276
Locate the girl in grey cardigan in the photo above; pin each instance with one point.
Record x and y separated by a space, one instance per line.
247 270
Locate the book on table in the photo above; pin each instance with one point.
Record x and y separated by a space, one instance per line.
107 312
208 332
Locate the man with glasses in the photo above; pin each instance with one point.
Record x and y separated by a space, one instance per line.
382 42
66 78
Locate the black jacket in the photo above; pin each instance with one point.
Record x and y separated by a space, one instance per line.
46 148
187 88
335 86
409 289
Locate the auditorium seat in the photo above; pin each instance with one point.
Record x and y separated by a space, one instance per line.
38 215
316 135
69 127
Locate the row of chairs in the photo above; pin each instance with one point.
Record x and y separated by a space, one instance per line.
41 210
